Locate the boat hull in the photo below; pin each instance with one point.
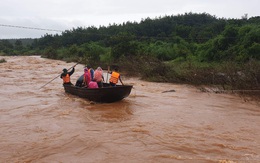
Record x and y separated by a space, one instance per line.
106 94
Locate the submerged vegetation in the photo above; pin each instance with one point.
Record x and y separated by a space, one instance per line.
189 48
2 60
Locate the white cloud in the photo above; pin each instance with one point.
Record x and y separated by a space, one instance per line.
66 14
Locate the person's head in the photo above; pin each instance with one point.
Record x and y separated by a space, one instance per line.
99 69
116 69
85 69
65 70
88 66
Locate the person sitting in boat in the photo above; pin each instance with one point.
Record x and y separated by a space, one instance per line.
92 84
86 78
115 76
66 75
98 77
79 82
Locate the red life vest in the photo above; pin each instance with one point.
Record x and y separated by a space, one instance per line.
114 77
87 78
66 79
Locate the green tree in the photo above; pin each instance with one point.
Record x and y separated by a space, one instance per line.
93 51
18 45
123 44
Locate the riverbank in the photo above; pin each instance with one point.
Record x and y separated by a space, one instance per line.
225 77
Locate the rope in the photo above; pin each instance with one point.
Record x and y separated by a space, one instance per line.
42 29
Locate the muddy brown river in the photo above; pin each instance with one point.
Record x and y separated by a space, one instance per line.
152 125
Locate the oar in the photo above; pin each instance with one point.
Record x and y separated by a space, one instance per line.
57 76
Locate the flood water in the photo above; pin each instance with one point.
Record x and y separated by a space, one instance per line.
151 125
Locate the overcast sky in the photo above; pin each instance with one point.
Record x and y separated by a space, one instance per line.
67 14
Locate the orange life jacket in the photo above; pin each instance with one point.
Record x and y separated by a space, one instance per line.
66 79
114 77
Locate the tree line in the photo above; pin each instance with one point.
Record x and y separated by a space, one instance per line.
191 47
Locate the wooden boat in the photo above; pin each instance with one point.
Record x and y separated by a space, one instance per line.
106 94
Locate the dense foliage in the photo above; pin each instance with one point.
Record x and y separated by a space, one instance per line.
195 48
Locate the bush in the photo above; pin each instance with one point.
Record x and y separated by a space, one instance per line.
2 60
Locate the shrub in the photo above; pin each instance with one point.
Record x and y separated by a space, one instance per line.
2 60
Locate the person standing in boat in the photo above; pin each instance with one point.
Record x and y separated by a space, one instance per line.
98 77
87 77
91 72
66 75
115 76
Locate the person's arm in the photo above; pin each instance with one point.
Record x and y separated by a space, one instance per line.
121 80
84 80
72 71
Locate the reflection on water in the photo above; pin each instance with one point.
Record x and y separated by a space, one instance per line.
153 124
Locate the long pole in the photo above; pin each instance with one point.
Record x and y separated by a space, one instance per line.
108 69
57 76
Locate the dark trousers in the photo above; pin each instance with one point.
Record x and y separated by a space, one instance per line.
112 84
100 84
